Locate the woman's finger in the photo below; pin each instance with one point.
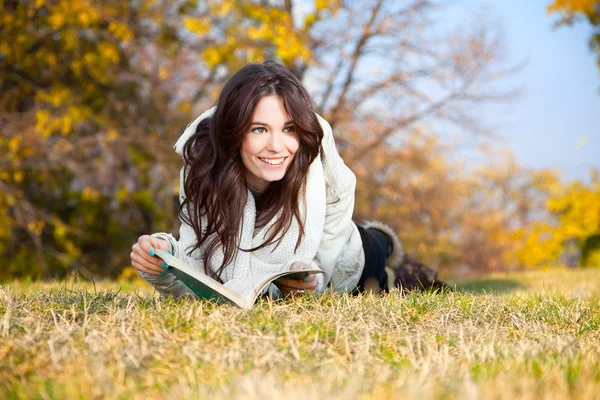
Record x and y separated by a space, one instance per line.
144 265
145 249
146 255
141 268
286 290
146 245
307 283
293 286
147 266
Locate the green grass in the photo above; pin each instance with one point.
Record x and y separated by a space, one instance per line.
532 335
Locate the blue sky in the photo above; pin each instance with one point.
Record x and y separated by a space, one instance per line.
555 123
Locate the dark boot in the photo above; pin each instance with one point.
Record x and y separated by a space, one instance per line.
403 271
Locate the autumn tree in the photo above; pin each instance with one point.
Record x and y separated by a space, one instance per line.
82 120
573 11
502 198
575 228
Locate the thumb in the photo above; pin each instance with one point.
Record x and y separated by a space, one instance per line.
298 266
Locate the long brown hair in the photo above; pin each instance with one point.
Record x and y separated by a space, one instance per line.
215 180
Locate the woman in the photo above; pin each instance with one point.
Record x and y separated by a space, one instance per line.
263 189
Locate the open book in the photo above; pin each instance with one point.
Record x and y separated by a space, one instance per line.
241 292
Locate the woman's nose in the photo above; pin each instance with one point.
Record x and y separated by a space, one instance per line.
276 142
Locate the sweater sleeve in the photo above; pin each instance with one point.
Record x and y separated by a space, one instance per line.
340 184
187 236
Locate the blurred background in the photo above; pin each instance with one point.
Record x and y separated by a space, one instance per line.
472 126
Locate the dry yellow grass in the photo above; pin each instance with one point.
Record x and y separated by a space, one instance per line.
530 336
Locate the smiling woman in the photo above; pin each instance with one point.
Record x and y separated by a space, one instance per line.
263 190
268 149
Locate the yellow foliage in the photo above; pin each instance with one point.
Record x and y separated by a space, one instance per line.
579 211
18 176
51 59
36 227
321 4
257 33
90 194
222 8
57 20
112 135
66 124
199 26
573 6
211 56
122 194
47 124
6 19
540 245
4 48
577 208
309 20
10 199
121 31
55 96
547 181
265 29
60 231
109 51
70 40
79 112
71 248
163 73
42 117
14 143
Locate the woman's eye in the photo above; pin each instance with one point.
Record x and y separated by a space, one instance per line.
289 129
259 130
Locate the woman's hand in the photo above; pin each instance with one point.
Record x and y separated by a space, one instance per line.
294 286
142 255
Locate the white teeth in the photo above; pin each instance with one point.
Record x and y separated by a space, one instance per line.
273 161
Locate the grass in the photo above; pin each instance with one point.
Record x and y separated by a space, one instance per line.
532 335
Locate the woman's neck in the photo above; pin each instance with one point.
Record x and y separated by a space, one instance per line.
255 191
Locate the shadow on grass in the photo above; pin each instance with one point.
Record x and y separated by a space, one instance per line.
488 285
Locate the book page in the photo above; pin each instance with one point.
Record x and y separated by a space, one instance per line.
250 287
247 287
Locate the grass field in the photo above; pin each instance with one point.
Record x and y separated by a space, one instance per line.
533 335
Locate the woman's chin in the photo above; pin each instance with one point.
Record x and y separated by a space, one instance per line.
274 177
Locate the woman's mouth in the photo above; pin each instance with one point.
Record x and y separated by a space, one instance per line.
273 162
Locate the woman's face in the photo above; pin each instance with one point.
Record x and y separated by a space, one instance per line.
269 145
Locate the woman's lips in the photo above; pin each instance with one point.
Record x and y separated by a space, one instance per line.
273 162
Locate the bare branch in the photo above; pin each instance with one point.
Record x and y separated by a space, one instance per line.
366 35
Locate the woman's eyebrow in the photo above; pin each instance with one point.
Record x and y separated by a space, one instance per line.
290 122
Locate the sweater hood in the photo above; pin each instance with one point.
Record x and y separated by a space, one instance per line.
191 129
